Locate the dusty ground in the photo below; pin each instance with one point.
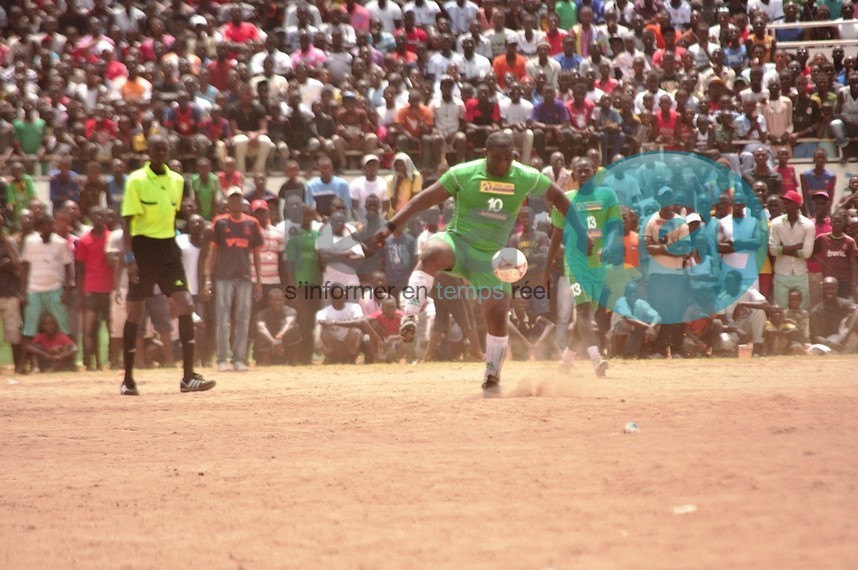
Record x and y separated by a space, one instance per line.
406 467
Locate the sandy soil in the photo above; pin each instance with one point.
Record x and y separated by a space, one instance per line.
737 464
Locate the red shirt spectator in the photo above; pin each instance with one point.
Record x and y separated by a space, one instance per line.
240 33
475 114
98 276
580 116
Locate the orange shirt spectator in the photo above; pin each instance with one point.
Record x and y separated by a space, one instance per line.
502 66
415 119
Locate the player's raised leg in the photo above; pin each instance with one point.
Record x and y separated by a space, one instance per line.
437 256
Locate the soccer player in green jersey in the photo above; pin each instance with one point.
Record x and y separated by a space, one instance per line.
599 211
488 194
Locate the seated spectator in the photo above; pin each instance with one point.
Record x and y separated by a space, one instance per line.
834 321
354 130
385 322
342 329
277 332
52 350
744 315
528 332
249 124
634 324
416 125
782 334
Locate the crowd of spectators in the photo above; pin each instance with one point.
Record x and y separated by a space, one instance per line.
401 91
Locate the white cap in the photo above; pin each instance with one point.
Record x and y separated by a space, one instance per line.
693 217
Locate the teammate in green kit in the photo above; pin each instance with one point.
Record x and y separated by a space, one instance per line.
599 211
488 194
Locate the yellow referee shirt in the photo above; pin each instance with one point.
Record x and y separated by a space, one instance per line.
153 201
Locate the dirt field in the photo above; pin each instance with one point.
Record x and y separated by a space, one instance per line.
407 467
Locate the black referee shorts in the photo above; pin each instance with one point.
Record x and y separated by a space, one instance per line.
160 263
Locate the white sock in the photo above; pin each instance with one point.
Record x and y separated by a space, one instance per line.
594 353
414 296
495 352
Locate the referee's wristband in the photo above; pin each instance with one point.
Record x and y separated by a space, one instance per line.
129 258
391 227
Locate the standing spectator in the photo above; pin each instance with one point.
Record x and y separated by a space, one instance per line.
153 197
817 179
11 294
821 206
341 251
806 119
270 252
294 184
667 241
404 182
399 259
48 276
260 190
238 32
194 248
206 188
322 189
739 240
116 183
838 255
763 172
303 273
249 123
93 191
368 184
95 284
791 241
64 183
229 176
19 191
235 238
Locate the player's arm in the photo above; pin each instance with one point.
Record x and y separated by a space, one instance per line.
421 201
557 198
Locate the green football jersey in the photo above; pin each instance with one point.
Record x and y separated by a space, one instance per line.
487 207
596 210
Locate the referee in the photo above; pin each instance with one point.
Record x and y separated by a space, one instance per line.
153 195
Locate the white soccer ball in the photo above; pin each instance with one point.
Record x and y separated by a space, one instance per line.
509 264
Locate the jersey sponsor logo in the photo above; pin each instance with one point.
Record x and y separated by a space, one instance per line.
237 242
492 187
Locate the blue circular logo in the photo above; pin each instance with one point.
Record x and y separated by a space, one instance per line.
667 233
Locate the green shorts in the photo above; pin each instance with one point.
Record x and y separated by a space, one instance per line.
588 289
474 265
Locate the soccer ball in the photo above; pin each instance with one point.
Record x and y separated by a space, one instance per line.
509 264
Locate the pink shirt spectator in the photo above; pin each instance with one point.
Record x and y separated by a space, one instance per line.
312 57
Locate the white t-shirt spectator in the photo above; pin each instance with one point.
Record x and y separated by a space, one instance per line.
349 312
360 188
423 15
774 9
680 17
438 63
47 262
749 296
475 68
515 113
448 115
114 246
338 271
387 16
190 260
461 16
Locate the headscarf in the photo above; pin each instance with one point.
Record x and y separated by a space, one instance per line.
409 164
